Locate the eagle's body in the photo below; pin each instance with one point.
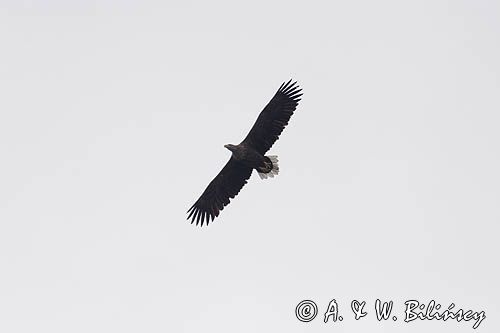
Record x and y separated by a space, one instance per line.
248 155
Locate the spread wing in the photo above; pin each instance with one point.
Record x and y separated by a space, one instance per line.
273 119
226 185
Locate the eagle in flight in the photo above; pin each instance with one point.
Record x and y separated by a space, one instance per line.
248 155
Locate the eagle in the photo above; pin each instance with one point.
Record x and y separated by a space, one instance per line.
248 155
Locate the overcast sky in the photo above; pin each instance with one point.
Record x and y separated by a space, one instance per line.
113 118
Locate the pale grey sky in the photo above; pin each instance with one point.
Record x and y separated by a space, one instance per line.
113 118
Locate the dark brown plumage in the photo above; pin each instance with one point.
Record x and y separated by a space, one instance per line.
248 155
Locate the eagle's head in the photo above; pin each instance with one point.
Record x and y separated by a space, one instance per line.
230 147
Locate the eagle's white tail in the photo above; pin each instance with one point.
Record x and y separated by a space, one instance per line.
274 170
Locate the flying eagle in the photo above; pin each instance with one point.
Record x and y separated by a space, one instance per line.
248 155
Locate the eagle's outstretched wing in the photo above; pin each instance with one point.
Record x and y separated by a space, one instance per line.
223 187
273 119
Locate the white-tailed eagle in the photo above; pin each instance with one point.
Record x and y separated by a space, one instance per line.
248 155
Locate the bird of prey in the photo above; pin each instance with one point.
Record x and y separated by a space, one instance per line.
248 155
